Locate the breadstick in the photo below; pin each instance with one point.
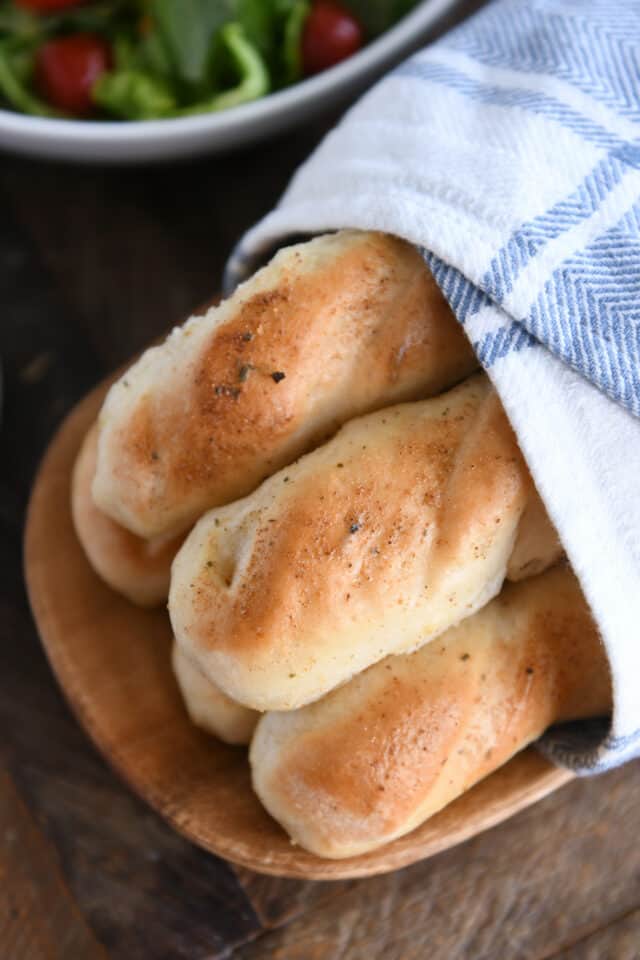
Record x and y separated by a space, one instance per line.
399 527
378 756
141 570
330 329
137 568
208 707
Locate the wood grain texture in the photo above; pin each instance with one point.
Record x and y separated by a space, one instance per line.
39 920
94 263
619 940
277 900
144 890
112 660
544 879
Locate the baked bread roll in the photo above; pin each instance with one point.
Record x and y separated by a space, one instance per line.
330 329
410 734
140 570
396 529
208 707
217 714
137 568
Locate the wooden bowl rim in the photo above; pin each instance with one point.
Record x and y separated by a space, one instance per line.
527 778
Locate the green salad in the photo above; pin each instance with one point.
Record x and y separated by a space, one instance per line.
151 59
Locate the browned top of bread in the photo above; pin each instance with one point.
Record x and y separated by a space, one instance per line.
330 329
398 527
138 568
412 732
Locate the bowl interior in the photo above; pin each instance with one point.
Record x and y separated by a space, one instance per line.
132 141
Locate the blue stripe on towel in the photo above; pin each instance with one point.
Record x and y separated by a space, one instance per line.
589 311
567 213
585 43
533 101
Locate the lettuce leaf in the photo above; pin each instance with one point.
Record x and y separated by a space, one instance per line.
251 69
376 16
133 95
187 29
292 44
16 69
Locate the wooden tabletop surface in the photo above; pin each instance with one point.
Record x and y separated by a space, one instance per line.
95 263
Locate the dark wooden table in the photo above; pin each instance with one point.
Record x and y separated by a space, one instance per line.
94 263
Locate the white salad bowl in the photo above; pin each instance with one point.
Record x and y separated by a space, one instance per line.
141 141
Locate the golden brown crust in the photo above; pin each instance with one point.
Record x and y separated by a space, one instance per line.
378 541
413 732
137 568
354 321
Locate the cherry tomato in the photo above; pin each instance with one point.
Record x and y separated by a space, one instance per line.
68 67
330 34
46 6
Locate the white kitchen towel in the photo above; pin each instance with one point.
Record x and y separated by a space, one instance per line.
509 152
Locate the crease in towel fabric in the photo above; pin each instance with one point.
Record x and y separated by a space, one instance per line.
509 152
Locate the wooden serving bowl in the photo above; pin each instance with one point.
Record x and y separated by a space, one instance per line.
112 660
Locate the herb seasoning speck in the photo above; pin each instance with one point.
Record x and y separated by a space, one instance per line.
222 390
